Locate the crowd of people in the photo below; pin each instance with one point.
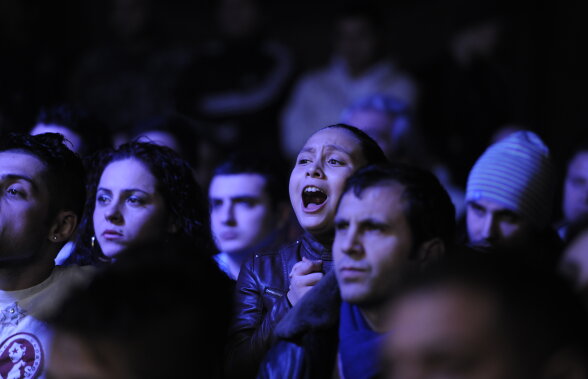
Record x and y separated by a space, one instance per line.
376 282
214 214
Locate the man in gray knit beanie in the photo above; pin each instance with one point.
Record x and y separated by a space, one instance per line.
510 193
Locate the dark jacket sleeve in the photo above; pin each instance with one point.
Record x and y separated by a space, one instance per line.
284 360
258 309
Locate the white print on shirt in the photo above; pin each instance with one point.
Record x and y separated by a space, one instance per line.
11 315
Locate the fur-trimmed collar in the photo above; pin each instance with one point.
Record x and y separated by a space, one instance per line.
318 309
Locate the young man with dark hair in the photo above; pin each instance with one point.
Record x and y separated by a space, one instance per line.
486 316
41 199
248 208
390 219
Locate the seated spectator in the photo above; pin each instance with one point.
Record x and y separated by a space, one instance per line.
41 201
145 316
271 282
357 69
389 219
140 194
84 134
509 196
575 190
248 208
490 317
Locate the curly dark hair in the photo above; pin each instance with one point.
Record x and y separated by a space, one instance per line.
183 197
64 169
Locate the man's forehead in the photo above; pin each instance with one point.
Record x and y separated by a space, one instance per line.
21 161
379 198
491 205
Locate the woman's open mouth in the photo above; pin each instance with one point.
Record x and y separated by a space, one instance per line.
313 198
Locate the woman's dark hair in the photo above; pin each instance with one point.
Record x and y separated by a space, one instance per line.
183 197
370 149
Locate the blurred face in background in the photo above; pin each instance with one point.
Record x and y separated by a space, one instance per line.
242 214
448 332
575 198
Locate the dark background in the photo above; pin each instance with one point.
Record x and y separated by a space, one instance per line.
42 41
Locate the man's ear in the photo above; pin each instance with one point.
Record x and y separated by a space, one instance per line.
63 227
430 251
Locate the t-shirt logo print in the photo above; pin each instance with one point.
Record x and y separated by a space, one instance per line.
11 315
21 356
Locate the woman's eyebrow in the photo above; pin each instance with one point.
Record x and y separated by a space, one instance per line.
338 147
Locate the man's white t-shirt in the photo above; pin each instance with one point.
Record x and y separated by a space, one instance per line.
25 339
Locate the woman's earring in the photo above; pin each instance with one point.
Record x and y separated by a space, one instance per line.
93 241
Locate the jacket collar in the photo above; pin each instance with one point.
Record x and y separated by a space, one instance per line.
318 309
315 248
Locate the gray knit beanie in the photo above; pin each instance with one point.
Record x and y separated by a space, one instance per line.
517 173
